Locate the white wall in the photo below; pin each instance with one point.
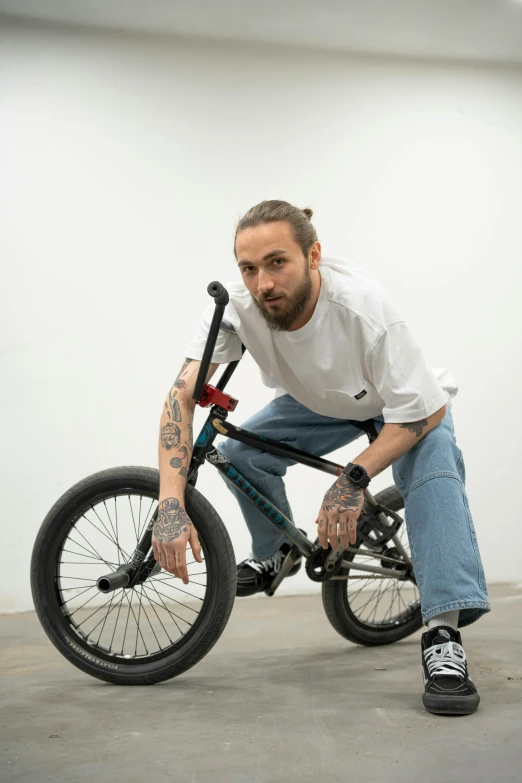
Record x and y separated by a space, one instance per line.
125 164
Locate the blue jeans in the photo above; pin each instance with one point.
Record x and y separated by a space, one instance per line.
430 477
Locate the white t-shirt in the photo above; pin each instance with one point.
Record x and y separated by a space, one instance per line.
354 359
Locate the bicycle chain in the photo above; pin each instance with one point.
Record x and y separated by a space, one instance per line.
344 578
369 554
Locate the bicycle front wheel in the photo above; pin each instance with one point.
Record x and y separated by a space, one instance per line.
133 636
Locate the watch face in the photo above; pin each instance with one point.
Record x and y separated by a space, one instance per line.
357 473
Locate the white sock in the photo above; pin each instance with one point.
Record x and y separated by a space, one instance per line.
451 619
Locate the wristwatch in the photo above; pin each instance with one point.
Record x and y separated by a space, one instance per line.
357 475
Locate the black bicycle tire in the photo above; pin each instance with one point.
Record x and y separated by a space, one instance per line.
222 587
337 607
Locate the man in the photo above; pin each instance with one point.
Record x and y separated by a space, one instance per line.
328 340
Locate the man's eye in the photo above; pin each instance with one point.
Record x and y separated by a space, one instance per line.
278 259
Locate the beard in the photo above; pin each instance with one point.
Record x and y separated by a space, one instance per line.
281 316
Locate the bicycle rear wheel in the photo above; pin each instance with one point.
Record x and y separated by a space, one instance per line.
372 609
143 634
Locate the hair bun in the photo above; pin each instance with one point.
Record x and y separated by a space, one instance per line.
308 212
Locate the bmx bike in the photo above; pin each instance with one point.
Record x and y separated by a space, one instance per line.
130 623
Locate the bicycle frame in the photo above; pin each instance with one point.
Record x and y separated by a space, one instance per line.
204 451
142 562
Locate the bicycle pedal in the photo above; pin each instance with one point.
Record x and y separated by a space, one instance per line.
286 567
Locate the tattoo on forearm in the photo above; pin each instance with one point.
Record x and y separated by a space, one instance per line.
172 521
170 436
174 406
178 462
171 433
415 427
179 383
171 439
344 495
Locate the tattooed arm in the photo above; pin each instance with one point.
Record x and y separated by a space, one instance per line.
395 440
173 528
342 504
175 442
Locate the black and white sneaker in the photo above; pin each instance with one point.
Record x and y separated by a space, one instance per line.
448 689
254 576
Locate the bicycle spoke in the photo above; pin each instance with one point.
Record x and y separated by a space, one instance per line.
80 554
166 581
173 614
170 599
191 581
138 628
199 573
133 522
116 515
108 613
92 549
79 587
116 623
364 580
103 626
136 621
179 602
360 609
110 520
148 620
106 536
390 608
91 615
167 610
126 626
64 603
75 562
146 521
379 596
157 615
103 523
167 578
400 599
378 588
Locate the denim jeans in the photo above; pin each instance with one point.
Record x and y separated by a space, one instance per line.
430 477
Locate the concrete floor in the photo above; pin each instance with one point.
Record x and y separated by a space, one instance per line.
281 697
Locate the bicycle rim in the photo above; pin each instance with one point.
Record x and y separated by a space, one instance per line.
131 625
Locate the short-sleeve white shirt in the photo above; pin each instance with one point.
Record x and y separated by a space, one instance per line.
354 359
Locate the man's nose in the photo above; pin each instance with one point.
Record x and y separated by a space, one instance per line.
264 283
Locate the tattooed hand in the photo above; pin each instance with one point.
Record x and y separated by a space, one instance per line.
339 513
172 531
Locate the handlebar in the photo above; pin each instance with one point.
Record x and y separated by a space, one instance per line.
221 299
219 292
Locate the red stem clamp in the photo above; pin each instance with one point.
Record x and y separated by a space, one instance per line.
213 396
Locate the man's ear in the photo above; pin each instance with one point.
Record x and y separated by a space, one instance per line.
315 255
